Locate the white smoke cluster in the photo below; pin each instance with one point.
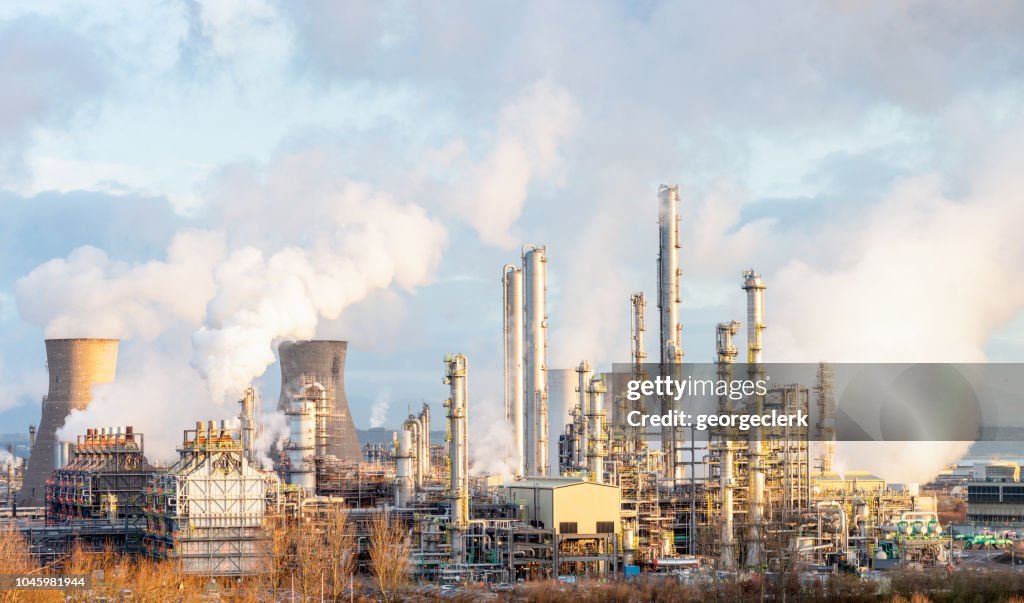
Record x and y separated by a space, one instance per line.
6 460
379 410
328 243
492 443
273 434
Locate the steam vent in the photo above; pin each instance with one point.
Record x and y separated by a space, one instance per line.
324 362
75 365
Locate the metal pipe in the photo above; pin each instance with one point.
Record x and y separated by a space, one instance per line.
754 286
512 298
669 275
535 360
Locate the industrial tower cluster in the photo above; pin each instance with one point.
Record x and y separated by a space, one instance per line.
625 498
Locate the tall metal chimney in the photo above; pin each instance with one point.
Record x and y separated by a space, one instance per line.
535 359
512 296
324 362
75 365
754 286
669 274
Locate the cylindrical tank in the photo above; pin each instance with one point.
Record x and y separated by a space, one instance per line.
74 365
535 388
512 296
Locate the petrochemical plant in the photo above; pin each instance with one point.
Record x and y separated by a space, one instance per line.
602 497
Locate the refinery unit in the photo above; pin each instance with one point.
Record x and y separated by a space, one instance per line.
604 499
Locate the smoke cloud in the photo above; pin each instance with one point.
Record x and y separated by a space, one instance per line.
231 296
379 411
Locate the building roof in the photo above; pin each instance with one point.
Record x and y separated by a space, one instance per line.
553 482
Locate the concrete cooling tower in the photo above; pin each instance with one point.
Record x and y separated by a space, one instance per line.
324 362
75 365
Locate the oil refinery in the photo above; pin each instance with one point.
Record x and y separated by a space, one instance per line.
604 497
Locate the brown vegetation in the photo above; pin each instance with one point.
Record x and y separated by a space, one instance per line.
390 554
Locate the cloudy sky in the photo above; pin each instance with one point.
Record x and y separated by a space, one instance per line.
204 179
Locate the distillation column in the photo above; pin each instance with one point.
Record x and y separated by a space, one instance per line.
247 420
415 427
536 343
424 448
726 352
581 442
638 304
826 430
754 286
596 439
301 443
669 274
403 475
458 452
512 296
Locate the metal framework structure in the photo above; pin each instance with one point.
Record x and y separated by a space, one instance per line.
208 511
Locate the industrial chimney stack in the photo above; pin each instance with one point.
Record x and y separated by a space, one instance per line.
323 362
75 365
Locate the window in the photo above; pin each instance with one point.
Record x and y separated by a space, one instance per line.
982 494
606 527
567 527
1013 494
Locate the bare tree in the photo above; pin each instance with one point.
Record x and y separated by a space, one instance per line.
339 548
390 554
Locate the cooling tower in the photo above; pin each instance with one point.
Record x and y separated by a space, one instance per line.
75 365
323 361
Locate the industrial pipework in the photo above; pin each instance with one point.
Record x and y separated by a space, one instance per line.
458 452
535 360
726 352
669 274
754 286
512 303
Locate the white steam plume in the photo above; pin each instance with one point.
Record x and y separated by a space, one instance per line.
379 410
329 242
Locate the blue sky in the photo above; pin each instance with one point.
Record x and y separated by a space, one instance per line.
375 164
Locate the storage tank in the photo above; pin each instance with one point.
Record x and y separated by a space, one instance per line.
74 365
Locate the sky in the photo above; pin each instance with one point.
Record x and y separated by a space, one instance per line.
202 180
